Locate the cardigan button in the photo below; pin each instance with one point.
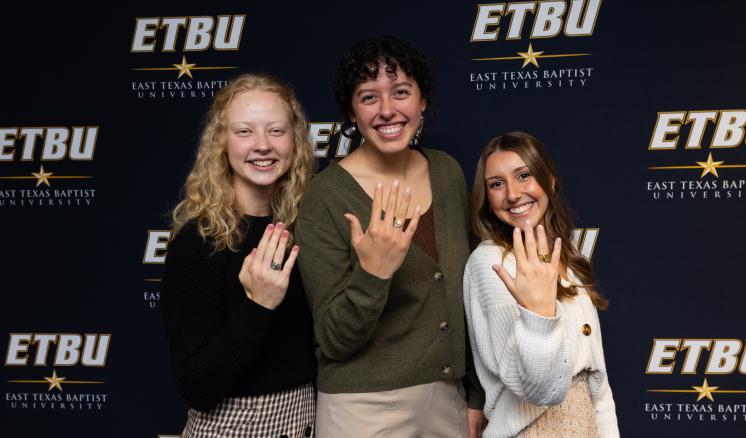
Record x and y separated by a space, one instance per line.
439 277
443 325
445 369
586 329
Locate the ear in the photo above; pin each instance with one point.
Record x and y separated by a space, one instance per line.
423 105
351 116
554 184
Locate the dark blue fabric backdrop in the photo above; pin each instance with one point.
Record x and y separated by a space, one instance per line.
82 251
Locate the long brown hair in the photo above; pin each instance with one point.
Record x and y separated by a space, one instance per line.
557 219
208 196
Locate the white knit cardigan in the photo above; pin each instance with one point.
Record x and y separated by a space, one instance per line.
525 361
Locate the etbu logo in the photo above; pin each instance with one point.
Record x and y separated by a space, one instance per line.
200 33
550 18
65 349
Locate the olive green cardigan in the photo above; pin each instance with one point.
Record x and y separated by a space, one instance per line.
374 334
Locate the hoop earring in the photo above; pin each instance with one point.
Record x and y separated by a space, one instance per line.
416 139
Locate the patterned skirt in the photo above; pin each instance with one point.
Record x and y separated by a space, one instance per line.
573 418
285 414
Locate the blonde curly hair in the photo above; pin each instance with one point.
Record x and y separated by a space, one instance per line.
208 197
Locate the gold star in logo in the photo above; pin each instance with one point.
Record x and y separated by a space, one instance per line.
54 381
705 391
530 57
184 68
710 166
42 177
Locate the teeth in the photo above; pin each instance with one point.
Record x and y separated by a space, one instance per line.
391 129
263 163
522 209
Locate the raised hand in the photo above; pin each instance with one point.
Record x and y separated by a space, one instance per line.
535 284
382 247
262 275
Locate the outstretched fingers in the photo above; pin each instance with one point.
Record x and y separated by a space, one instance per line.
505 277
556 253
531 251
377 205
393 199
519 250
412 226
290 261
356 230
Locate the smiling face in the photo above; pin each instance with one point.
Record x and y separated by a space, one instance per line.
259 141
387 110
512 191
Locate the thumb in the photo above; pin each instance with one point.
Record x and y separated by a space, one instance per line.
356 230
505 277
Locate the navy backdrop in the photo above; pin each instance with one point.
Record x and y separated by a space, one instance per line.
640 103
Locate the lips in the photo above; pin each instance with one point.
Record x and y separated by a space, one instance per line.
521 210
390 130
262 164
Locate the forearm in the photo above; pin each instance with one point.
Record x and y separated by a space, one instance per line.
211 356
345 320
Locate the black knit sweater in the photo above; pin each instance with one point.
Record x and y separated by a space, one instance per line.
222 343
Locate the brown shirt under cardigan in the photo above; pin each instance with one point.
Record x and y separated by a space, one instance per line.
376 334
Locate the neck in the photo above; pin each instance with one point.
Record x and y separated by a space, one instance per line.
254 201
387 166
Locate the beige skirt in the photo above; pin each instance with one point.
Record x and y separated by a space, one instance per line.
431 410
574 417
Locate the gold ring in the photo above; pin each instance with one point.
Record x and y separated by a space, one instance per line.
398 223
546 258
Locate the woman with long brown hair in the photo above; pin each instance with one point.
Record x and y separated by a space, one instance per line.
236 316
531 303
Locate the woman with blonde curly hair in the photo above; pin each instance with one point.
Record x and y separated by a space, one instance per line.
237 321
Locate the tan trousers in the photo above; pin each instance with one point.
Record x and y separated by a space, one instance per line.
432 410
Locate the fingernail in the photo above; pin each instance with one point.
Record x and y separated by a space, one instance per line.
285 233
296 248
280 225
270 226
396 183
417 209
408 190
379 185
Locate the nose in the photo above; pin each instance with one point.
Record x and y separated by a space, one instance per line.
261 142
387 107
513 191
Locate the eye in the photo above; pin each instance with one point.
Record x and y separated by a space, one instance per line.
242 132
494 185
402 92
523 176
277 132
368 98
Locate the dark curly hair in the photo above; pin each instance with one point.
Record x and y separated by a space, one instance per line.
361 63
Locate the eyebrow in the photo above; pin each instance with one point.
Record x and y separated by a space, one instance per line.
398 84
514 171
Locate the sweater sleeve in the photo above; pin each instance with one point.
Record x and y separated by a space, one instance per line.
212 351
346 301
529 353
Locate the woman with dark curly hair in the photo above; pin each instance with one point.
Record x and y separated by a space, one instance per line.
388 315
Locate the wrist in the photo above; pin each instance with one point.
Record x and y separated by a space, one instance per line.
376 271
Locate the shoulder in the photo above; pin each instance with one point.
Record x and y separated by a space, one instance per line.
328 181
187 241
442 159
487 253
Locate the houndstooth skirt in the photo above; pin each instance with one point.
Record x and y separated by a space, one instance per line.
285 414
